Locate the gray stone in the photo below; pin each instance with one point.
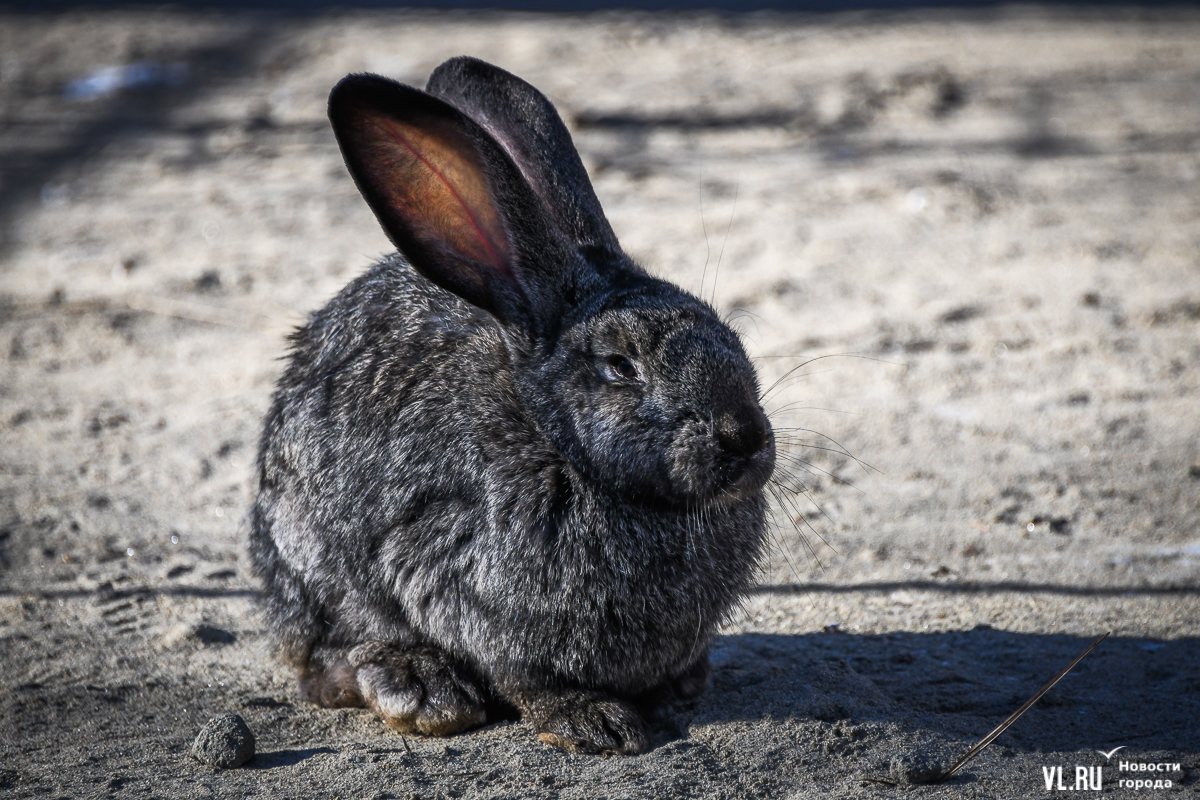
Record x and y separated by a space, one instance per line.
225 741
910 769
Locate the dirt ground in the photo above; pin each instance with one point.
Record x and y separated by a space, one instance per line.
966 243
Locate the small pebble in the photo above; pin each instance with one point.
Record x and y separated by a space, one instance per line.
912 769
225 741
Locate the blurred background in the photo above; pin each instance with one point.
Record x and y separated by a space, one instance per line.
981 221
961 239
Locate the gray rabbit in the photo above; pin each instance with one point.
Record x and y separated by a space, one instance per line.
505 469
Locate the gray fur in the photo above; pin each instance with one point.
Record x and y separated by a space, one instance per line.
466 510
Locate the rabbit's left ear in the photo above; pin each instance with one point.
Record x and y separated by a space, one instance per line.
453 202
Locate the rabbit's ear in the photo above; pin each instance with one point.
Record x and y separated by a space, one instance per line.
530 130
451 200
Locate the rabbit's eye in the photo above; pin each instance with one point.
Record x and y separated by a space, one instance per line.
623 366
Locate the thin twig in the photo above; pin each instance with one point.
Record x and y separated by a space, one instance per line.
1003 726
273 321
209 314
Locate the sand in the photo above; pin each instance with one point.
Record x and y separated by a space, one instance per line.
967 244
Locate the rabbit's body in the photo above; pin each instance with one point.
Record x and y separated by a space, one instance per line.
459 506
482 538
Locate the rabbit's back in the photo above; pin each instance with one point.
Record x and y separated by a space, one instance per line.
369 461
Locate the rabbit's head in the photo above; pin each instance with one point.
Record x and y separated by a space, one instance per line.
638 384
651 394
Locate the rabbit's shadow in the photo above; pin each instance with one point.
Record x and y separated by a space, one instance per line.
960 684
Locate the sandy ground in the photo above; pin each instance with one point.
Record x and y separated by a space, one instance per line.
974 237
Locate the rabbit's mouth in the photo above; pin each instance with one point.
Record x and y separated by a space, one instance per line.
719 465
748 475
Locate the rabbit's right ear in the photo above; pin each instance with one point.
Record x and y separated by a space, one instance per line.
526 124
452 201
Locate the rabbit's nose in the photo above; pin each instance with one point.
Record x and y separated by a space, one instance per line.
743 433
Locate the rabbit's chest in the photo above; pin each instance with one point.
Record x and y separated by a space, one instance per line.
608 599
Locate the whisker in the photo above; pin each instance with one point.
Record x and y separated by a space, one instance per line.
797 514
837 355
704 228
790 378
798 487
716 272
748 313
810 445
842 447
796 461
779 542
794 406
800 460
821 511
808 361
780 501
731 318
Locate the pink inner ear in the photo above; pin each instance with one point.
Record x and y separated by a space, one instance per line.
435 187
489 246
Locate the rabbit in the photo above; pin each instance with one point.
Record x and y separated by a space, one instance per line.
505 470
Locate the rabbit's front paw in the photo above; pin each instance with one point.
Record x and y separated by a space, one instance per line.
417 688
586 722
693 681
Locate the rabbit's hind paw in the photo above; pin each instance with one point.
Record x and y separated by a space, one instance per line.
332 687
417 688
586 722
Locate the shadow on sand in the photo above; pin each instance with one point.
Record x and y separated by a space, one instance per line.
1138 692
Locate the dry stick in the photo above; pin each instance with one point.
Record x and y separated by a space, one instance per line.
211 315
271 322
1003 726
